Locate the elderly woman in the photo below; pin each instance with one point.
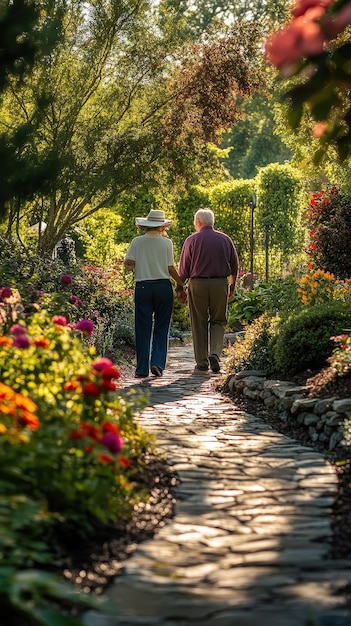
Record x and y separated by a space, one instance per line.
151 257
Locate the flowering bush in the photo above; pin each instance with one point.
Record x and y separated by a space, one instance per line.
69 438
101 295
341 357
320 286
329 222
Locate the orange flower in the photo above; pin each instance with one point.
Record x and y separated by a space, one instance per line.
41 343
71 386
30 420
6 341
123 461
25 403
104 458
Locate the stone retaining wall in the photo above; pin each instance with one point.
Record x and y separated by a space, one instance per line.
322 418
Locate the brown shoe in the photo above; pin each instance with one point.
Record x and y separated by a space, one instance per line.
156 371
214 363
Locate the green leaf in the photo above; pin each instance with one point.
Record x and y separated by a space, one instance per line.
294 115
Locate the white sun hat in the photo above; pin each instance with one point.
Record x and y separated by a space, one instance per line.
155 218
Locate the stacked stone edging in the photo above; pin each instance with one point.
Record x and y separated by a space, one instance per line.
323 419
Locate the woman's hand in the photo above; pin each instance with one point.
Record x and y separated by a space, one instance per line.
181 294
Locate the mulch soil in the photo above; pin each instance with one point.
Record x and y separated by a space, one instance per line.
94 566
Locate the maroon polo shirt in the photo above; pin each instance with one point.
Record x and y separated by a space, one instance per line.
208 253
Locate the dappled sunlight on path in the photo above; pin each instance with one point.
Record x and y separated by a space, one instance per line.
247 543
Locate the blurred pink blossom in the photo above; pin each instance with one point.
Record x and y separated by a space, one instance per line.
86 326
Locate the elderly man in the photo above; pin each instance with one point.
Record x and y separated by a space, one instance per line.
207 259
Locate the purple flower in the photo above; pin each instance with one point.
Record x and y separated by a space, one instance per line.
21 341
76 301
5 292
113 442
86 326
18 329
66 279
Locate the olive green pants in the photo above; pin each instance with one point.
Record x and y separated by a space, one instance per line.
208 304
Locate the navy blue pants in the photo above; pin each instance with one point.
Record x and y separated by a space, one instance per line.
153 301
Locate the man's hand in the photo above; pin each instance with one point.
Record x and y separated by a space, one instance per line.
181 294
231 292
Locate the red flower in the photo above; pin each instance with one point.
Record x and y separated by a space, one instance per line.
123 461
104 458
92 390
77 434
90 430
111 372
108 385
5 293
112 428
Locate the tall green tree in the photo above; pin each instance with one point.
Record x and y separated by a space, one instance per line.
199 16
127 97
28 32
254 141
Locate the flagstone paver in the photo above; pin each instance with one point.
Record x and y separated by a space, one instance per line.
248 541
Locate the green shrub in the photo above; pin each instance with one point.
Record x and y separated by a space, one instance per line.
253 350
273 297
304 339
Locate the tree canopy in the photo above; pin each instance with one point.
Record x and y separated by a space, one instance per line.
125 96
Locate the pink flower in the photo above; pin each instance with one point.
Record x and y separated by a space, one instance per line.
5 292
302 37
113 442
86 326
18 329
60 320
21 341
319 129
101 364
66 279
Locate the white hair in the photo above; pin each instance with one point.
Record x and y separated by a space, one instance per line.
205 217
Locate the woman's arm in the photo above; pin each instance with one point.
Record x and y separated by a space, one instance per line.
174 274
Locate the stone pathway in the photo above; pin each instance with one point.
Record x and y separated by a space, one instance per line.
247 544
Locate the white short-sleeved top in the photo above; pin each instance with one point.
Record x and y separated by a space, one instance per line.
152 253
